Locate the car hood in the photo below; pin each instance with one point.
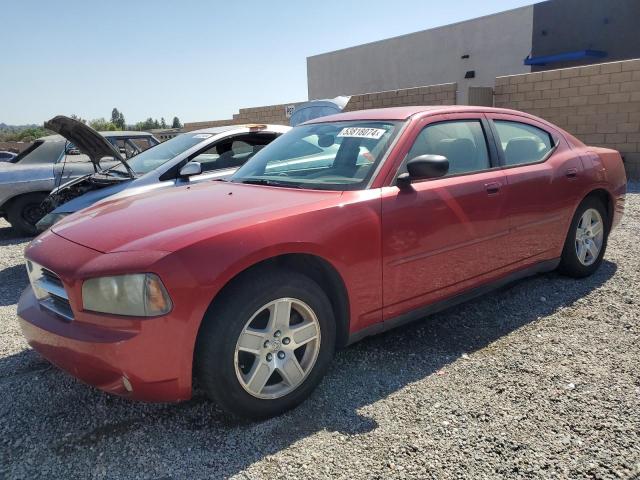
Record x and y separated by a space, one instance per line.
170 219
85 138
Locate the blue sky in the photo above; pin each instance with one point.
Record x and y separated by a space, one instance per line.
199 60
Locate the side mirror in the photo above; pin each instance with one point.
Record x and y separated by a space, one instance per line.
423 167
191 169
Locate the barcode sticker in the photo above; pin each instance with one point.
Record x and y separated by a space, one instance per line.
362 132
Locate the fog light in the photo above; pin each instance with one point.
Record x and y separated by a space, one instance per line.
127 384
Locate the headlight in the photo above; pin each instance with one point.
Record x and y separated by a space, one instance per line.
48 220
136 295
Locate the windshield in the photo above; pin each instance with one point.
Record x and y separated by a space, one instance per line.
326 156
155 156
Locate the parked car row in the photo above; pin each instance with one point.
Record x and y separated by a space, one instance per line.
27 179
63 173
339 228
185 159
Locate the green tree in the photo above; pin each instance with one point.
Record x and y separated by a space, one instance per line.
163 124
117 118
24 135
102 125
176 123
148 124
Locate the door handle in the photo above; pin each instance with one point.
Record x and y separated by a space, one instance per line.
571 173
492 188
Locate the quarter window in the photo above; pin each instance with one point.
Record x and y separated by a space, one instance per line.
462 142
522 143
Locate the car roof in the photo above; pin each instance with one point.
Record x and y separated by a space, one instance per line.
110 133
403 113
124 133
226 128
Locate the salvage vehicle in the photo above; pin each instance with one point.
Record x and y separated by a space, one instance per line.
185 159
27 180
249 285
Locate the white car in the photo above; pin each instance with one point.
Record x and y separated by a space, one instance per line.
187 158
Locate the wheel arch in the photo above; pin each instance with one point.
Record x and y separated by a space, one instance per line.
8 201
317 268
607 200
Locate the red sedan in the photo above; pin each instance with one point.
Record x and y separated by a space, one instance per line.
341 228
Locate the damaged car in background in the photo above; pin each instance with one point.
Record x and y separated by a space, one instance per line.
26 180
191 157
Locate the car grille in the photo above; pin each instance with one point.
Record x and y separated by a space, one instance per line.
49 290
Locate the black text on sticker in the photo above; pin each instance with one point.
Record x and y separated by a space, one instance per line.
361 132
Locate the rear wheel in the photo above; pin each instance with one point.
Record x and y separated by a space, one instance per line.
25 211
587 239
266 344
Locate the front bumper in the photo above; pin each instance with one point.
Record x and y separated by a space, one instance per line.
144 359
116 361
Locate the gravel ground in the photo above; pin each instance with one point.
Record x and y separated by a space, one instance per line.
539 380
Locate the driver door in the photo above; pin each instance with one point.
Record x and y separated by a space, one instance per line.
444 234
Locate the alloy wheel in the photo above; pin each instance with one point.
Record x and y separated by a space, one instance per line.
589 237
277 348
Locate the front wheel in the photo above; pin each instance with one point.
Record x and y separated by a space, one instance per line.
266 344
25 211
586 241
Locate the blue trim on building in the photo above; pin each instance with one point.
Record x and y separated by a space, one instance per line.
564 57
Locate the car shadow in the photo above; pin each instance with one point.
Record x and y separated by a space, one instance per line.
361 375
13 281
8 236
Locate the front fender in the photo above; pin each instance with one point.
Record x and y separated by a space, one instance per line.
16 181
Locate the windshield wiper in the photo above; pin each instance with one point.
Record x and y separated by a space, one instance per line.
271 183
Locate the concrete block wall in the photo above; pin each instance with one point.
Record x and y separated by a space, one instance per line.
190 126
599 104
11 146
273 114
444 94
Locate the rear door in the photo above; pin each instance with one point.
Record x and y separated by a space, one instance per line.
439 237
543 174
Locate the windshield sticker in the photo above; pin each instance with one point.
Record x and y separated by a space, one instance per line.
361 132
202 135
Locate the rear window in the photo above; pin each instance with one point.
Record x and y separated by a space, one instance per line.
522 143
41 152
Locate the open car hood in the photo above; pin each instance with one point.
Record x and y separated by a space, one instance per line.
85 138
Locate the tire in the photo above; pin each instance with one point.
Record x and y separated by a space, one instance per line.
226 369
571 263
25 211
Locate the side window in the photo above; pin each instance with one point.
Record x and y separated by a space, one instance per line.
230 154
462 141
522 143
